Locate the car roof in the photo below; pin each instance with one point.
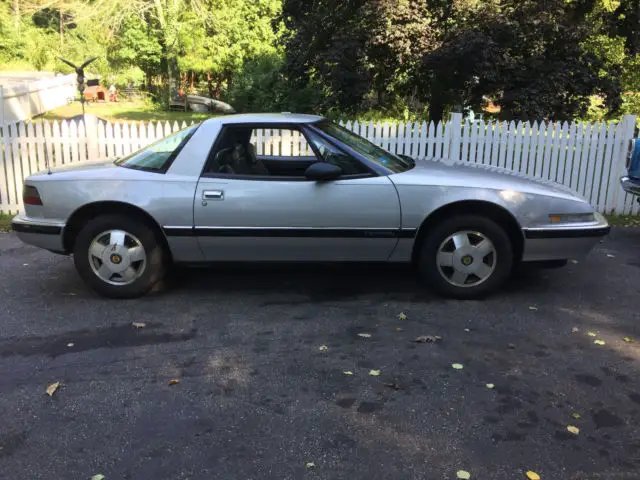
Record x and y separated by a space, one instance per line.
267 118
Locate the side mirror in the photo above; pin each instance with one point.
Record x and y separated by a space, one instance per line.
322 171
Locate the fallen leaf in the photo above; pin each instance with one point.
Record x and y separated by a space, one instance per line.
457 366
395 385
427 339
174 381
533 475
591 334
599 342
323 348
310 465
610 255
572 429
463 474
98 476
70 344
348 372
576 415
628 339
374 373
575 329
531 307
51 389
402 316
139 324
490 385
399 329
364 335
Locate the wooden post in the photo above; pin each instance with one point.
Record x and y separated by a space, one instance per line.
454 135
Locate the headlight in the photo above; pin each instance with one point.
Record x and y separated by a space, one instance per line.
572 218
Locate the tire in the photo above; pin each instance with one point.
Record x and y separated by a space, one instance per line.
101 250
476 273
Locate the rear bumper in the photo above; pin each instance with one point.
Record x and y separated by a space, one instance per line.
630 185
47 235
563 242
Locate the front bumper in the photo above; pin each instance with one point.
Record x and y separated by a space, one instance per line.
630 185
39 233
563 242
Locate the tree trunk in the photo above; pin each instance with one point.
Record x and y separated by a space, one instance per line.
61 29
436 110
210 85
16 14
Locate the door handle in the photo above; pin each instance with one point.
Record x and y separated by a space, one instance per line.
213 195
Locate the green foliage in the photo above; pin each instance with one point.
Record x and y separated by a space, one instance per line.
361 52
366 59
529 57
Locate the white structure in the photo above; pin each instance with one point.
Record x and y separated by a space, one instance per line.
587 157
24 95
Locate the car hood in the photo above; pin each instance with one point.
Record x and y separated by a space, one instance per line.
439 173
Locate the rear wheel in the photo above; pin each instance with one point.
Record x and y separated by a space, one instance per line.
119 257
466 257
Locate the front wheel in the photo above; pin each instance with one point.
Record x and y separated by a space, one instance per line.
119 257
466 257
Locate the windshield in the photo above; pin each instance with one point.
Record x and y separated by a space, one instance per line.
158 156
365 148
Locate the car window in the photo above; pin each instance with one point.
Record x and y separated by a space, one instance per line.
365 148
260 151
280 142
158 156
332 154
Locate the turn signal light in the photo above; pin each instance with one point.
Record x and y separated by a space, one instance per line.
31 196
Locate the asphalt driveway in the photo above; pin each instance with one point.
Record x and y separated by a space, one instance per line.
258 398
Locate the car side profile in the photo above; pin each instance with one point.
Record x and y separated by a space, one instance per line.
297 188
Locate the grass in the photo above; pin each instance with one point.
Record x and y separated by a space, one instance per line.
5 222
623 220
124 110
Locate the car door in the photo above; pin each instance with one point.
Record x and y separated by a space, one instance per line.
289 218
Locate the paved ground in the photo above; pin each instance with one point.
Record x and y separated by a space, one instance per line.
257 399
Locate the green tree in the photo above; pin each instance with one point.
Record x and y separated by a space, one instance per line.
530 57
355 48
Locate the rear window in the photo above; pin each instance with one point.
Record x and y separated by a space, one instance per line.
158 156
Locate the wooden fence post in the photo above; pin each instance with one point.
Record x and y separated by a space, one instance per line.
454 136
91 131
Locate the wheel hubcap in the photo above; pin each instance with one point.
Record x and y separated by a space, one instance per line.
466 258
117 257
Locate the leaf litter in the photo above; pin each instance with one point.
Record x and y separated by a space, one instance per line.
53 388
427 339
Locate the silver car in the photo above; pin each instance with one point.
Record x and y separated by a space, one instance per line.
297 188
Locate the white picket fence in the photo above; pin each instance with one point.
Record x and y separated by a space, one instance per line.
587 157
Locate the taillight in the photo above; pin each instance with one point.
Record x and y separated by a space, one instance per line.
30 195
